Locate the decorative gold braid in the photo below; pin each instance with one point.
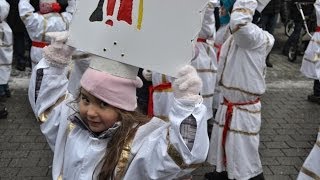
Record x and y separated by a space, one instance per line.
243 10
67 24
310 173
71 126
45 24
206 71
125 159
207 95
163 117
238 27
175 155
225 61
311 61
60 177
221 78
23 18
237 131
164 79
249 111
318 42
5 64
6 45
43 117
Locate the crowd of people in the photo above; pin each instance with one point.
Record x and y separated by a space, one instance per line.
98 128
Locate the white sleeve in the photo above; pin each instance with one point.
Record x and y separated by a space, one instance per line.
208 29
47 85
48 97
179 112
250 36
70 10
33 21
246 34
162 152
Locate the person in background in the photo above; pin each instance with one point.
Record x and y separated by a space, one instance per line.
311 61
6 52
205 61
143 93
234 143
268 20
21 39
49 18
298 23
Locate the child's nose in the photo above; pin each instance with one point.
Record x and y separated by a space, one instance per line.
92 110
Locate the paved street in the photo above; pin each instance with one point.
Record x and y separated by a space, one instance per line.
289 127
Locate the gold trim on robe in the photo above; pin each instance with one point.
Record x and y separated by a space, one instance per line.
176 157
43 117
237 131
310 173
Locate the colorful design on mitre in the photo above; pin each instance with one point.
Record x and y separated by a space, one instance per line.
124 12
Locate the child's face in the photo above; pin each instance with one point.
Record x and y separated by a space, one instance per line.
99 115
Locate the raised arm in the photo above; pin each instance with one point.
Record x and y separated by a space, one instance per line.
34 22
188 130
246 34
208 29
168 150
48 80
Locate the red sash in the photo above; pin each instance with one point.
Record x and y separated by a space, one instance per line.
159 87
318 29
227 123
219 50
39 44
201 40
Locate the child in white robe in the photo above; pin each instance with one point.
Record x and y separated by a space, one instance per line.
98 135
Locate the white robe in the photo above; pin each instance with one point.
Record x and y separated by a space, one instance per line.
162 99
310 169
223 34
205 59
77 153
241 76
38 25
6 46
206 64
310 66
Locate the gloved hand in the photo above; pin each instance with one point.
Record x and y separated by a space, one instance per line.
147 74
58 53
187 86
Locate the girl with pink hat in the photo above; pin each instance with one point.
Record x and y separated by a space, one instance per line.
99 135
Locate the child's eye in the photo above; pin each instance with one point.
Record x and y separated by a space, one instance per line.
84 99
103 104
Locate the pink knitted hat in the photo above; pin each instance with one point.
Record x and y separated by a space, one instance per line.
112 82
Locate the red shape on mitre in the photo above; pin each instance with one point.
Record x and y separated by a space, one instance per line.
56 7
109 22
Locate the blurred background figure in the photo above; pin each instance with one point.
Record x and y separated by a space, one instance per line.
6 52
295 15
268 20
21 40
